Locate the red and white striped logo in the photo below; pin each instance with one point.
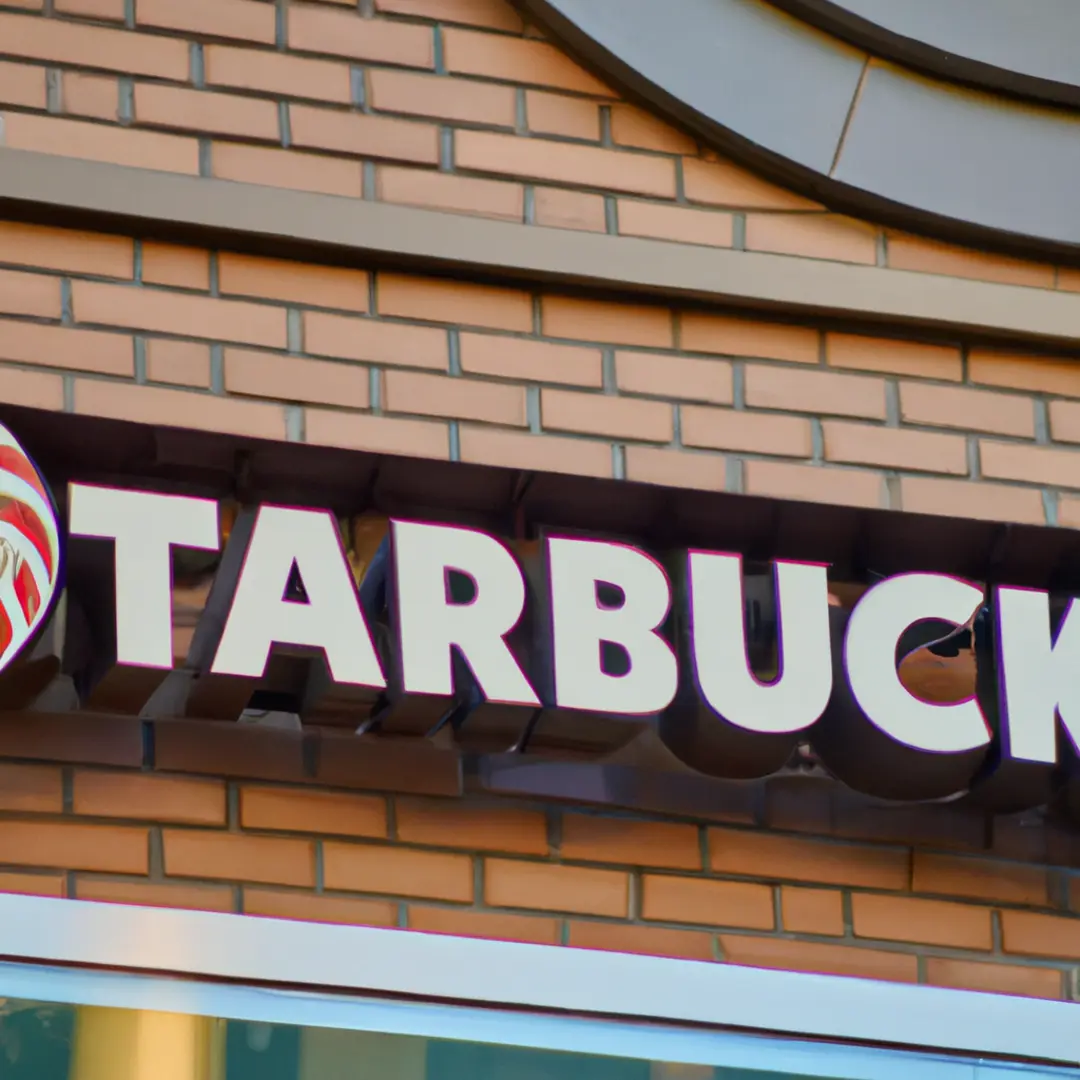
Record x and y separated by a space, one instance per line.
29 548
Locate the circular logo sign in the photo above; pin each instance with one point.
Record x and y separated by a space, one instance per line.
29 549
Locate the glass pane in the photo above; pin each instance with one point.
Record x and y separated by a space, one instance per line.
46 1041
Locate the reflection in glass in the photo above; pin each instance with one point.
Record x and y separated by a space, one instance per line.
42 1041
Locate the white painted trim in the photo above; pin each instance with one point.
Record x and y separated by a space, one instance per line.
444 968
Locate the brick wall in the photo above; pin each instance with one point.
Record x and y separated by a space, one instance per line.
422 102
94 819
450 104
108 326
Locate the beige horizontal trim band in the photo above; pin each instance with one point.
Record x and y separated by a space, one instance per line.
69 191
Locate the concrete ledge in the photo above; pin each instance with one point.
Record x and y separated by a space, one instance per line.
247 217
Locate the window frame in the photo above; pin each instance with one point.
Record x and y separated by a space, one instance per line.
249 961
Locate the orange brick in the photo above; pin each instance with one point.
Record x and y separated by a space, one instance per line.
91 9
545 453
34 789
495 926
69 43
982 878
593 320
445 191
559 209
178 408
1040 935
840 487
175 313
530 361
551 887
915 253
466 399
181 363
276 73
602 414
22 84
243 19
1020 372
1068 514
31 388
814 236
29 294
153 894
308 907
342 33
755 433
961 498
710 903
33 884
565 163
974 410
293 282
812 911
494 14
676 468
786 858
116 849
376 342
662 222
894 357
870 444
636 843
454 302
66 249
769 387
559 114
469 52
720 183
371 868
648 940
99 142
446 824
237 857
934 922
635 127
287 169
63 347
1032 464
464 100
182 267
294 378
300 810
156 797
763 952
91 95
366 136
205 111
381 434
1023 981
726 336
1065 421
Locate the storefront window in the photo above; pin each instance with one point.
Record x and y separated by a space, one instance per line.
42 1040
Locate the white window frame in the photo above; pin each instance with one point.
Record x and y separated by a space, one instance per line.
246 967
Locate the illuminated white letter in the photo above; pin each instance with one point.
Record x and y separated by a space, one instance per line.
580 625
430 625
144 526
879 618
1038 679
331 619
799 694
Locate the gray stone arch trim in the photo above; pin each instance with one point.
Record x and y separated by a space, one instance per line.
825 118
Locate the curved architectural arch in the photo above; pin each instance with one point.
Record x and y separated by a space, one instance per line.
817 113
